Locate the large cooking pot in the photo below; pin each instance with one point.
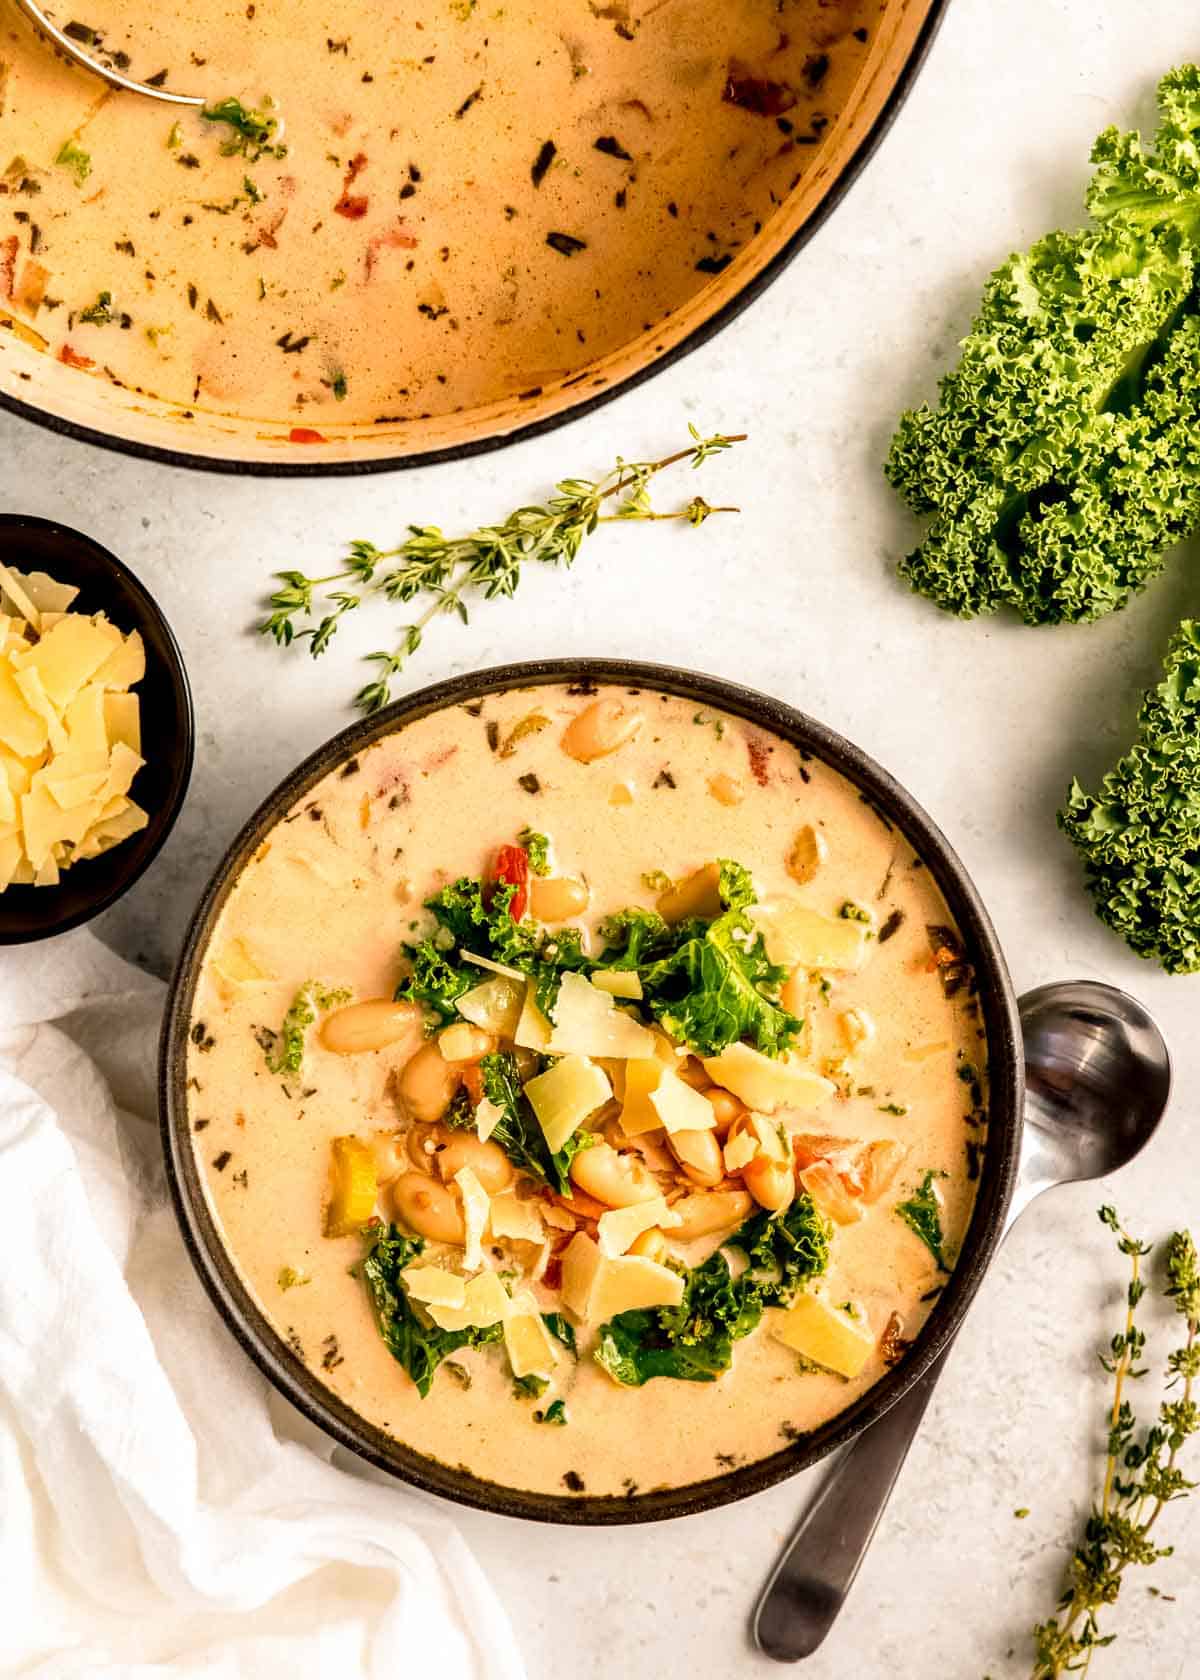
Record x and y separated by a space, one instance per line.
99 410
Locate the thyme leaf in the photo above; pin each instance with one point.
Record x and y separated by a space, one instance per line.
442 573
1141 1472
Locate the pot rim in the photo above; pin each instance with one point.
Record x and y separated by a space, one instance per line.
700 335
998 1007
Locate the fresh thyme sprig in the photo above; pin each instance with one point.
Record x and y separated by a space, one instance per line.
1141 1476
444 571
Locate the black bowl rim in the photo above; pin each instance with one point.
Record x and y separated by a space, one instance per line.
167 815
700 335
998 1006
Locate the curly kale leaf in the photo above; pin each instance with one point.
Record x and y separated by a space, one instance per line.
476 916
517 1131
719 986
1139 836
694 1341
1061 462
1161 188
435 981
286 1052
419 1348
709 983
922 1213
1017 463
793 1245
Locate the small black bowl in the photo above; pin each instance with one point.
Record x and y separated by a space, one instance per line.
168 726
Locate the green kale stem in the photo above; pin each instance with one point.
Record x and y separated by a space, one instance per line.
486 562
1141 1477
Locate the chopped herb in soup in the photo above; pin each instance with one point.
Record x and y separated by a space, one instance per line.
592 1062
382 214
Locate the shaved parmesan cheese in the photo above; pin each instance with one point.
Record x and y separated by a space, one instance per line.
770 1141
46 595
529 1345
496 1005
557 1217
36 698
596 1288
619 982
827 1335
85 720
11 855
476 1207
565 1095
587 1022
765 1082
487 1117
740 1151
533 1029
68 655
642 1075
486 1303
70 737
23 727
125 665
123 766
797 937
16 591
495 967
580 1266
121 714
434 1286
517 1220
620 1227
678 1107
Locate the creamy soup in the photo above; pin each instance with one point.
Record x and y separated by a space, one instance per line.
756 1093
417 209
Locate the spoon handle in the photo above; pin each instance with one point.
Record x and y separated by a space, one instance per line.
801 1601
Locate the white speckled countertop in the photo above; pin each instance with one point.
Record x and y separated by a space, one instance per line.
985 722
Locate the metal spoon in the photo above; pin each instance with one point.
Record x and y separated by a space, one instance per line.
1098 1076
74 51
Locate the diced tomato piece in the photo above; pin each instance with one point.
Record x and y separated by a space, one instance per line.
72 358
511 866
305 434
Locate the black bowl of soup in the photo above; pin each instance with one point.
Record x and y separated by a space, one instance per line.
578 196
591 1091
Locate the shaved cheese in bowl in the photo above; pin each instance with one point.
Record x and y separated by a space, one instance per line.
587 1022
70 731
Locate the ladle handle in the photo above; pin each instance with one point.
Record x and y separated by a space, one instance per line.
801 1601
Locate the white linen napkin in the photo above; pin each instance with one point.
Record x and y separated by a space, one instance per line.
162 1512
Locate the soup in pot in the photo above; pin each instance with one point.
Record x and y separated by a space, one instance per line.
389 214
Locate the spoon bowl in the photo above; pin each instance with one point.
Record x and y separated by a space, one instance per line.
1097 1082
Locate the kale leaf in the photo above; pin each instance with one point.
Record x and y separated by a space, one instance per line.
1139 836
718 986
419 1348
476 916
709 983
286 1052
537 848
1062 459
517 1131
694 1341
922 1213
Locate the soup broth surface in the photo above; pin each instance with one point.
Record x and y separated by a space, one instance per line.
334 894
461 202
